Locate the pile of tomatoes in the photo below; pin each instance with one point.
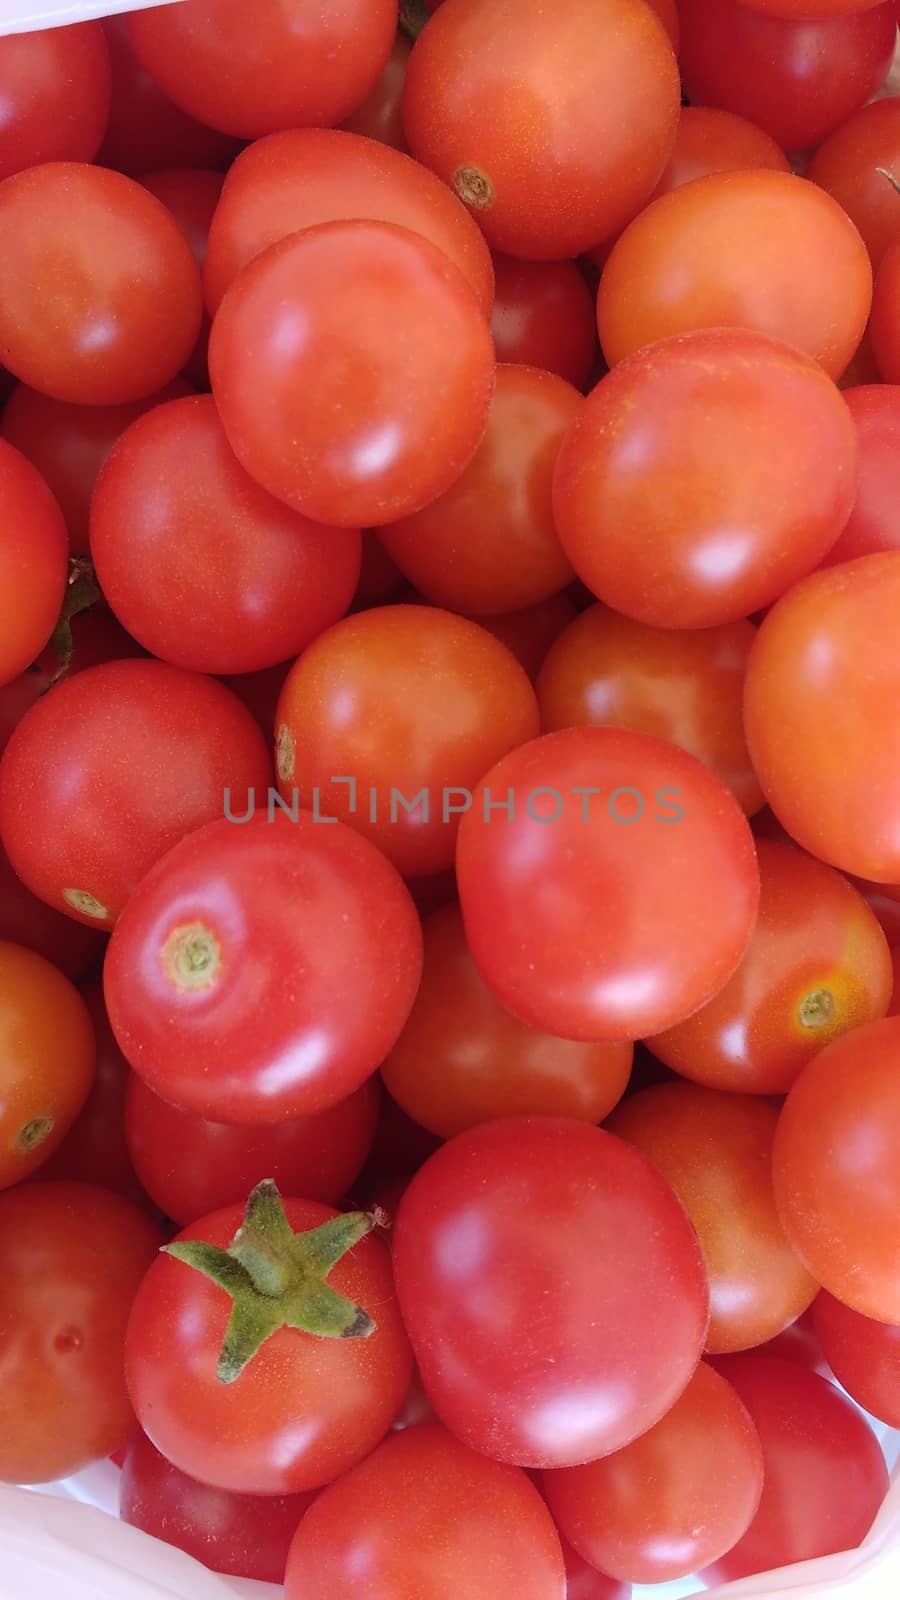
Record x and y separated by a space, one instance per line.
450 784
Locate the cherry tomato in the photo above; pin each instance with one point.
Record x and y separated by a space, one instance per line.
390 719
805 9
825 1475
544 317
820 710
202 983
864 1356
530 633
863 369
872 525
761 250
71 1257
191 195
836 1167
102 298
321 403
884 326
54 95
667 11
852 165
885 909
380 116
894 1007
33 562
716 1152
818 965
110 769
27 921
489 545
798 78
800 1343
146 130
553 1290
94 1149
678 684
709 140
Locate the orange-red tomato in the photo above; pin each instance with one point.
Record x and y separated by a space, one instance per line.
54 95
34 551
709 140
894 1007
873 524
884 325
544 317
864 1356
854 165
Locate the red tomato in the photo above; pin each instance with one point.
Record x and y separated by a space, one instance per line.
33 562
489 544
71 1257
800 1343
198 562
424 1516
380 116
818 965
836 1167
894 1007
678 684
667 11
202 983
584 1582
191 1166
852 166
47 1060
191 195
715 1150
805 9
27 921
320 401
462 1059
864 1356
798 78
761 250
825 1475
112 768
709 140
539 1355
863 368
304 1408
673 1500
820 711
299 65
94 1150
103 312
886 909
884 326
392 705
872 525
544 317
54 95
244 1535
529 634
146 130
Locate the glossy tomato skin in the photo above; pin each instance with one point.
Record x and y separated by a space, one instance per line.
392 702
818 965
55 90
715 1150
351 427
847 165
819 713
462 1059
243 1535
94 1150
434 1519
380 116
528 634
72 1256
762 250
864 1356
884 326
33 562
489 544
679 684
308 176
198 562
798 78
553 1290
146 130
825 1475
68 945
304 1410
530 885
871 526
247 906
709 140
47 1059
839 1209
810 8
190 1166
672 1500
112 768
553 127
543 317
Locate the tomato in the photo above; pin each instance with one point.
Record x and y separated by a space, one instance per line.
321 403
390 719
667 11
530 633
431 1518
716 1152
864 1356
33 562
303 1408
110 769
584 1582
102 297
27 921
886 910
54 95
553 1290
198 562
798 78
146 130
825 1475
191 1166
380 116
71 1258
810 8
871 527
244 1535
884 327
818 965
553 126
47 1060
489 545
852 165
820 714
462 1059
544 317
94 1149
800 1343
191 195
300 179
759 250
201 979
894 1007
836 1168
682 685
709 140
299 65
69 443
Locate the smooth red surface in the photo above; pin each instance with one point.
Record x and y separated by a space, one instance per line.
147 131
847 164
68 945
380 116
709 140
884 326
191 194
530 633
544 317
864 1356
33 562
94 1150
54 95
873 525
